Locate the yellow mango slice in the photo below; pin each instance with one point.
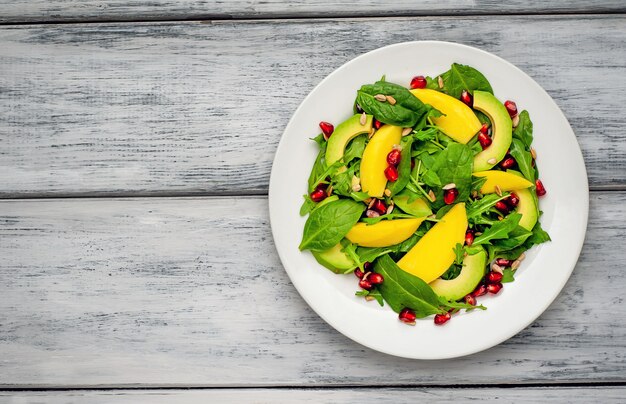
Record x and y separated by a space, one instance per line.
374 162
505 180
459 121
434 253
383 233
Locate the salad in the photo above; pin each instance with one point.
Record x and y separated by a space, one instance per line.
429 195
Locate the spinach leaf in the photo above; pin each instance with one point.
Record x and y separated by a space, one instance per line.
524 160
524 129
459 78
369 254
515 239
406 112
319 167
499 230
321 142
372 294
454 165
404 168
328 224
507 275
307 206
355 149
401 289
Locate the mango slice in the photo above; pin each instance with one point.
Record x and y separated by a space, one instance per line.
505 180
459 121
383 233
374 162
434 253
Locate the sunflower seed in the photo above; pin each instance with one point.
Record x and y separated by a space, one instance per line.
363 119
356 183
406 131
492 161
390 207
498 191
391 100
533 153
387 192
440 82
369 298
496 268
449 186
515 264
521 257
371 203
431 196
515 121
380 97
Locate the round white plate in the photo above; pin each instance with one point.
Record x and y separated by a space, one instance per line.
541 276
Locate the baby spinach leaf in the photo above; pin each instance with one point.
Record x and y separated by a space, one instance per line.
459 78
524 160
401 289
499 230
307 205
406 112
524 129
355 149
319 167
328 224
404 168
507 275
454 165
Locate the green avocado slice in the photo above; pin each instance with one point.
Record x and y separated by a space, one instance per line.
334 259
527 207
343 133
502 130
472 272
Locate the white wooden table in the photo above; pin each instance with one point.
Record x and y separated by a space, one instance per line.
136 260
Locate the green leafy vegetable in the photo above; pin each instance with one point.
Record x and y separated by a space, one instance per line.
454 165
407 111
319 167
499 230
507 275
372 294
524 129
459 78
459 254
524 160
355 149
327 225
307 206
476 209
452 272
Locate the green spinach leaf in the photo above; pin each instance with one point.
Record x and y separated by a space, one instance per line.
375 294
454 165
459 78
328 224
524 129
355 149
524 160
407 111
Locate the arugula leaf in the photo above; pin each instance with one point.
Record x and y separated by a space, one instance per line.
524 129
459 254
372 293
454 165
369 254
390 216
476 209
406 112
328 224
477 183
401 289
355 149
499 230
515 239
507 275
321 142
307 206
425 135
404 168
459 78
452 272
319 167
524 160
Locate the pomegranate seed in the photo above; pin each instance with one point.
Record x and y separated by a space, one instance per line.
407 316
371 213
494 277
394 156
358 108
412 164
377 124
511 108
418 82
367 266
484 140
327 129
484 129
321 186
318 195
503 262
380 207
540 189
494 288
442 318
502 207
508 163
449 195
358 273
375 278
391 173
469 237
479 291
512 201
365 284
467 98
469 299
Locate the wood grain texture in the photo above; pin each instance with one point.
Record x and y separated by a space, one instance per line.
198 108
95 10
572 395
190 292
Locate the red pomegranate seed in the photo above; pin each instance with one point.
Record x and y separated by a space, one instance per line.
377 124
394 156
503 262
484 140
407 316
365 284
418 82
380 207
358 273
540 189
467 98
502 207
449 195
412 164
469 299
479 291
484 129
318 195
513 200
367 266
442 318
508 163
511 108
469 237
391 172
371 213
494 288
327 129
494 277
375 278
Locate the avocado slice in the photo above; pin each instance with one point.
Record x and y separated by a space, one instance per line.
418 207
343 133
502 129
334 259
527 207
472 272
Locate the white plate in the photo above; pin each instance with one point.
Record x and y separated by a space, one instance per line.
541 276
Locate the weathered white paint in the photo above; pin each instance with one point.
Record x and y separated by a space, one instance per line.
198 108
186 291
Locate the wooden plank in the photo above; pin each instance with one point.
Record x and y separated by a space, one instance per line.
120 10
190 292
581 395
198 108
